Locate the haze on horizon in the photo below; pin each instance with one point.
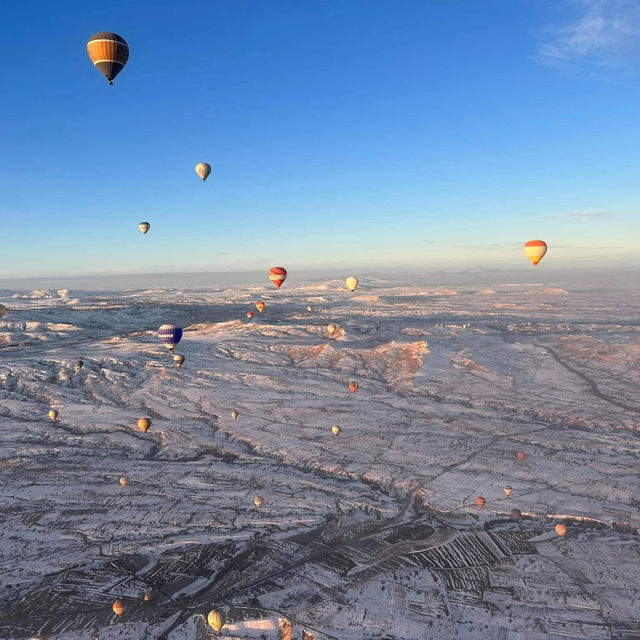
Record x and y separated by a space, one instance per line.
424 136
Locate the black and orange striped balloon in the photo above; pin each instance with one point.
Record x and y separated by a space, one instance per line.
109 52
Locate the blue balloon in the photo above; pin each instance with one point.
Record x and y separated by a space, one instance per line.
170 334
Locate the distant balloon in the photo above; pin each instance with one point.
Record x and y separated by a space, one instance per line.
123 481
309 308
203 169
260 306
516 514
353 385
53 414
170 335
144 227
535 250
234 414
178 359
147 597
331 329
249 314
79 365
560 529
278 275
480 501
521 455
144 424
3 310
215 620
109 52
336 430
507 490
352 283
257 501
118 607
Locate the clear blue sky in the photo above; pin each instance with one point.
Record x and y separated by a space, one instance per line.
423 133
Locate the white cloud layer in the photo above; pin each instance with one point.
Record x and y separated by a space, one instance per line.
600 33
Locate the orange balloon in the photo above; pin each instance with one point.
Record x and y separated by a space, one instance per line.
353 385
535 250
147 597
480 501
144 424
561 529
278 275
521 455
118 607
260 306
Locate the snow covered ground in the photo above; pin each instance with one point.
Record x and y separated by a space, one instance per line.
374 533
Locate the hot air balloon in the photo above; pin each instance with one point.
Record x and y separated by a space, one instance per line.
203 169
178 359
170 334
215 620
535 250
336 430
147 597
53 414
109 52
123 481
234 414
118 607
278 275
516 514
79 365
331 329
309 308
3 310
144 424
249 314
353 385
352 283
257 501
480 501
144 227
560 529
260 306
507 490
521 455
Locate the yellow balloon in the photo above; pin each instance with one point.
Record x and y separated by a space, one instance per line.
203 169
257 501
336 430
331 329
234 414
53 414
123 481
144 227
352 283
309 309
215 620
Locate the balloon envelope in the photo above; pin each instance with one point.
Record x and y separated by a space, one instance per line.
516 514
203 169
144 227
260 306
215 620
535 250
277 275
179 360
352 283
118 607
480 501
507 490
521 455
353 385
257 501
123 481
249 314
331 329
234 414
144 424
560 529
309 308
79 365
3 310
170 335
109 52
53 414
336 430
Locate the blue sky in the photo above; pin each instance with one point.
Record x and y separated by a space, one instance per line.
368 133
